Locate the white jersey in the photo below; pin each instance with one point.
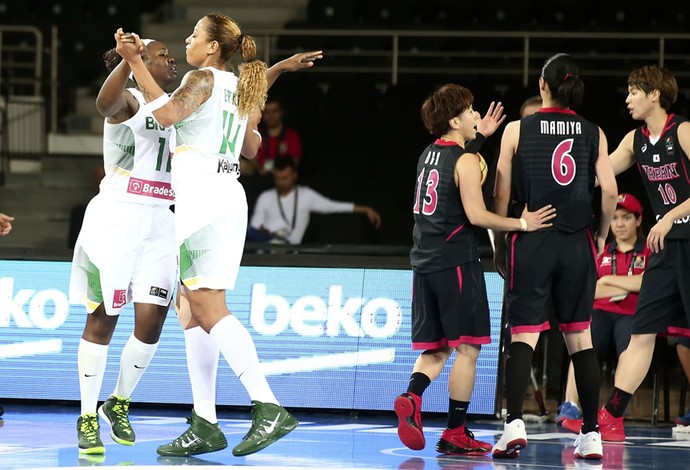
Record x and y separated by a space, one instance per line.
146 179
214 131
210 206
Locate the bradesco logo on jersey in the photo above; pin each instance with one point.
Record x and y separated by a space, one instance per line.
157 189
328 314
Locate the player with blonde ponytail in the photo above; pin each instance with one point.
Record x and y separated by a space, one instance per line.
215 114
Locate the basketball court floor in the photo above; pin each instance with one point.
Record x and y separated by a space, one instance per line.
44 437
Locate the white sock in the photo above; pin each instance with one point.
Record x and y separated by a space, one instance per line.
134 360
202 363
239 351
91 360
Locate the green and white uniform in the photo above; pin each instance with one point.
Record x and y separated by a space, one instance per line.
126 247
211 206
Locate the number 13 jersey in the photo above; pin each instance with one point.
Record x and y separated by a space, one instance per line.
443 236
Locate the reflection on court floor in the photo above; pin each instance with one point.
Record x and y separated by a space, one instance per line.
44 437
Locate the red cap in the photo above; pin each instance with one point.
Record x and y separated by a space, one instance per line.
630 203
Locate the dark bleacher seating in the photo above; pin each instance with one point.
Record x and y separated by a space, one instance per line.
388 14
500 15
332 13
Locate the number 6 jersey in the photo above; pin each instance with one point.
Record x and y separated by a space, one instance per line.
555 164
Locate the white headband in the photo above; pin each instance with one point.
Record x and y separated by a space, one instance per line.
146 43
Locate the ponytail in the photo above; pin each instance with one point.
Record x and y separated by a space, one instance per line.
563 77
252 87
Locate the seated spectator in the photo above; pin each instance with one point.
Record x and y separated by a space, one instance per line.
283 213
278 141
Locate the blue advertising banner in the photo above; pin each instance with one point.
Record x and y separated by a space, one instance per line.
327 338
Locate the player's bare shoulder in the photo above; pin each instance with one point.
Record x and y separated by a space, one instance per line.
684 137
510 139
684 128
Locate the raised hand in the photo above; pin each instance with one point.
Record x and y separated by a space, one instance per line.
128 45
302 60
493 118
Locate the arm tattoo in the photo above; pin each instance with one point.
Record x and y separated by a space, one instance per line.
144 91
195 89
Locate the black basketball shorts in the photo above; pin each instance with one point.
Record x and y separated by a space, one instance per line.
450 307
548 265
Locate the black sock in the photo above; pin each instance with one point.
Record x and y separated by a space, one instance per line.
618 402
587 378
518 368
457 413
418 383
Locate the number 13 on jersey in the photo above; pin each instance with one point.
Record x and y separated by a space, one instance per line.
428 206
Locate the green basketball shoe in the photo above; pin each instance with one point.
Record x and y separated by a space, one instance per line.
115 411
200 438
269 423
88 433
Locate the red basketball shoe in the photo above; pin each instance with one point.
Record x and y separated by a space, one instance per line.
408 408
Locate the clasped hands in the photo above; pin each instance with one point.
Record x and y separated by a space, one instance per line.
128 45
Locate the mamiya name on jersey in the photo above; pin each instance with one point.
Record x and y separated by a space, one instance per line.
561 127
224 166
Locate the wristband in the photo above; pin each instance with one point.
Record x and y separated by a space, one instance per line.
158 103
261 139
473 146
523 225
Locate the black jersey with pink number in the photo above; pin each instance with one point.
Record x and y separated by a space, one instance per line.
665 172
555 164
443 236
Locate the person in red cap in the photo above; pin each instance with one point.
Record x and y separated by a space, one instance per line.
620 269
